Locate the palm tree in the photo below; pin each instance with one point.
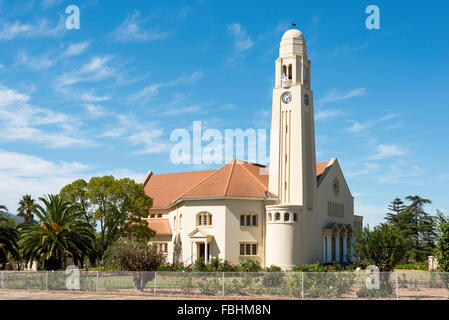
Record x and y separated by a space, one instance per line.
2 207
60 233
27 207
8 239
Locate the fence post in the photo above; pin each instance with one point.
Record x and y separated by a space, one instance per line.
302 285
96 286
46 280
397 287
155 274
222 289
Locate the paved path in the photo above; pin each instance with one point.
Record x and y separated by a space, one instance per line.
51 295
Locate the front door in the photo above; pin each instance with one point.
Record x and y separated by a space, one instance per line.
201 254
202 251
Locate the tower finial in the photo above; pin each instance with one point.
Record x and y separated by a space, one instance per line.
293 25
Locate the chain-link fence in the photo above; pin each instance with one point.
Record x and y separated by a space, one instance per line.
262 285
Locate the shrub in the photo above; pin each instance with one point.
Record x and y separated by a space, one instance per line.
250 265
177 267
209 286
413 266
273 268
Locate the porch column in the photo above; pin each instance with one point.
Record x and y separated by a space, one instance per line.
345 247
329 248
324 249
191 252
351 243
206 253
337 246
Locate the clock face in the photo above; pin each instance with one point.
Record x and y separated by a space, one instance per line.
287 97
306 100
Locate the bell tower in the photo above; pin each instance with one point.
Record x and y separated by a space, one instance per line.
292 147
292 175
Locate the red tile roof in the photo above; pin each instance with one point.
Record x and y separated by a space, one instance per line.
161 226
235 179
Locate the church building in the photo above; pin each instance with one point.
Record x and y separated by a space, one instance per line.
293 212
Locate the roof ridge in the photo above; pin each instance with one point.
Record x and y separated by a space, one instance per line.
229 177
196 185
254 177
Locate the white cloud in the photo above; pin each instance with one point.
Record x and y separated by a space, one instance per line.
372 214
358 127
387 151
327 114
189 109
9 96
90 96
334 96
242 41
133 29
21 121
27 174
146 93
42 28
77 48
34 62
96 69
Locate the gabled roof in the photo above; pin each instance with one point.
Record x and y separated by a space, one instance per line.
161 226
235 179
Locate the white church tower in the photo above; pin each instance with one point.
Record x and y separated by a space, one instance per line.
292 158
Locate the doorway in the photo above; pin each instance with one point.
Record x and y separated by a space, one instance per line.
202 252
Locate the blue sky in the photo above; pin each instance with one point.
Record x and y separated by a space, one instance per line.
104 99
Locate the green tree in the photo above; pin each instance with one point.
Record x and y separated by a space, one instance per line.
76 194
8 240
415 225
395 207
115 207
60 233
442 247
27 208
2 207
139 257
383 247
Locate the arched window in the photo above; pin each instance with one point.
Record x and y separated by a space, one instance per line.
284 72
174 222
180 221
286 216
277 216
270 217
204 219
295 217
290 71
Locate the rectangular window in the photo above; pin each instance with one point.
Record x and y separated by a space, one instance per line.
159 215
248 220
248 249
254 249
199 220
165 247
254 220
242 220
210 219
153 216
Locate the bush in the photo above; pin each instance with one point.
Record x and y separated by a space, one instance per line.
273 268
250 265
209 286
177 267
413 266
